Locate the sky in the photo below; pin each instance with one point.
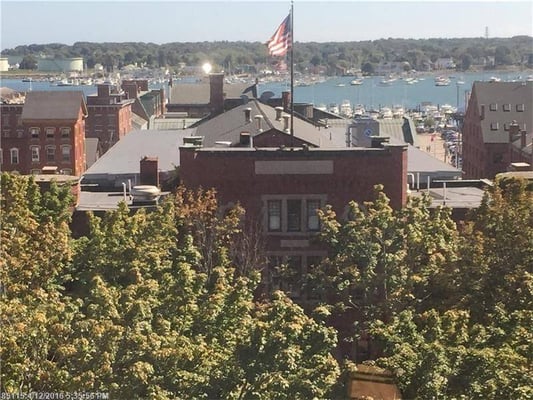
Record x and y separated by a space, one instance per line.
39 22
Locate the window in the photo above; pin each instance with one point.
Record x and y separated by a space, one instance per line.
507 107
313 222
34 132
294 215
14 156
5 121
494 126
493 107
50 133
65 153
34 153
520 107
274 215
50 153
65 133
6 132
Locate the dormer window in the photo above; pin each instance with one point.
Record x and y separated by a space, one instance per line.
494 126
50 133
494 107
34 132
506 107
520 107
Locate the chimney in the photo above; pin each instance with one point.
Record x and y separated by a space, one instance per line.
286 122
514 131
286 101
279 111
216 92
247 115
149 171
522 139
104 90
244 139
482 117
378 142
258 118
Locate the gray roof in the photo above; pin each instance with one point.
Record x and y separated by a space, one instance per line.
454 197
229 125
497 95
50 105
91 151
199 93
125 155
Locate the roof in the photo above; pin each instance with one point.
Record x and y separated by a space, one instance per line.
421 161
229 125
200 93
124 156
454 197
91 151
138 122
49 105
493 96
173 123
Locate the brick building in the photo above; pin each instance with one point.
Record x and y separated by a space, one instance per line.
490 143
47 130
110 116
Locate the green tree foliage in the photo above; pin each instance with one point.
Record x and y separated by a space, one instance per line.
227 55
383 260
143 313
451 309
35 251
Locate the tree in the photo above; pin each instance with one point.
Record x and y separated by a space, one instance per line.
28 62
34 256
131 309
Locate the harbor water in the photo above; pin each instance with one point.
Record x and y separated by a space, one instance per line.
372 92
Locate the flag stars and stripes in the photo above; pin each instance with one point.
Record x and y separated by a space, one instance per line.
280 42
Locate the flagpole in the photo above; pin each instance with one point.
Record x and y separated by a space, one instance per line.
292 74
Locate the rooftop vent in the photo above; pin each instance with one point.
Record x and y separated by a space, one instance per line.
286 123
247 115
145 194
279 111
258 118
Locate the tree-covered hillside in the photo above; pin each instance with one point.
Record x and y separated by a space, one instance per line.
468 52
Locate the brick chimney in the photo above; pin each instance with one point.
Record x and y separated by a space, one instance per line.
149 171
104 90
216 92
130 89
286 101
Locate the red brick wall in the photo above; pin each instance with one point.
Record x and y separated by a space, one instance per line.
355 173
19 136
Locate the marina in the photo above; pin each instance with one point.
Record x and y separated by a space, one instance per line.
345 95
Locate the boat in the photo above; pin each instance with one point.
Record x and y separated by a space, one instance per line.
398 111
321 107
441 81
385 113
340 85
358 110
333 108
346 109
494 79
27 80
356 82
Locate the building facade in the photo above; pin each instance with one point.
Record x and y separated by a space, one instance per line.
110 116
497 128
48 130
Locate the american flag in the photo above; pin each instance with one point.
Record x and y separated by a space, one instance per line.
280 42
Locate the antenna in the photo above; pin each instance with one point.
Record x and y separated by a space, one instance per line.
486 32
